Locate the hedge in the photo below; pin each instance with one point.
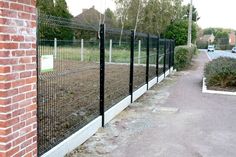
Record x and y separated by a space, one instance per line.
183 56
221 72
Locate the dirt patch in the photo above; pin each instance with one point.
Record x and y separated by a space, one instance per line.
69 96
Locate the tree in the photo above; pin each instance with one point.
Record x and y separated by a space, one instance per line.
138 15
110 18
179 32
222 39
159 14
122 13
135 14
48 27
209 31
186 11
61 9
63 32
46 6
177 10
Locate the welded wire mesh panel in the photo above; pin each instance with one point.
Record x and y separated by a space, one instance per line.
68 79
69 73
117 67
168 53
152 57
140 60
161 57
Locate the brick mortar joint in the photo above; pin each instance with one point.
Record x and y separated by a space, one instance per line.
10 104
11 81
18 131
22 4
7 1
18 42
18 109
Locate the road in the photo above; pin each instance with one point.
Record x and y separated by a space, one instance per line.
220 53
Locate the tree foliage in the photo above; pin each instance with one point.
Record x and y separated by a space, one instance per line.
222 39
46 6
47 29
158 15
179 31
152 16
110 18
186 10
61 9
209 31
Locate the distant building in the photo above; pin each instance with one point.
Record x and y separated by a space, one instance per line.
92 18
208 38
232 38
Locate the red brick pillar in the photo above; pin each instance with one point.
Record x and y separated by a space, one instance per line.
18 123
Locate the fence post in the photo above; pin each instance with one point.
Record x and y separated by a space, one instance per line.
131 77
169 53
55 47
139 52
173 54
110 51
157 59
102 71
164 68
82 50
147 61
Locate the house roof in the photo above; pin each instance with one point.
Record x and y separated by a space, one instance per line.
92 18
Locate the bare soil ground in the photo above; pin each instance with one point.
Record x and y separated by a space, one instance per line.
69 96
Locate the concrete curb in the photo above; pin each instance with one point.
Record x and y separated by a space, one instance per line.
208 56
206 91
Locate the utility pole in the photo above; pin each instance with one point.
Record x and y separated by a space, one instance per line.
190 24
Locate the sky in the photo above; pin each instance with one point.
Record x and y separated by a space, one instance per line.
213 13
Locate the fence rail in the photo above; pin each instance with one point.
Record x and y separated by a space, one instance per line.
81 76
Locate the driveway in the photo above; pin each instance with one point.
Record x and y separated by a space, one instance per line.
173 119
220 53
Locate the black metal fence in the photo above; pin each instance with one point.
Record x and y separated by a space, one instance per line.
83 72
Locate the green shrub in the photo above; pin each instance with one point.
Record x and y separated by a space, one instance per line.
183 56
194 49
221 72
202 44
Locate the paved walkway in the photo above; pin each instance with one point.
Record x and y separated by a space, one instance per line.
204 126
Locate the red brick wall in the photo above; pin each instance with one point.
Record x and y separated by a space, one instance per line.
232 38
18 122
